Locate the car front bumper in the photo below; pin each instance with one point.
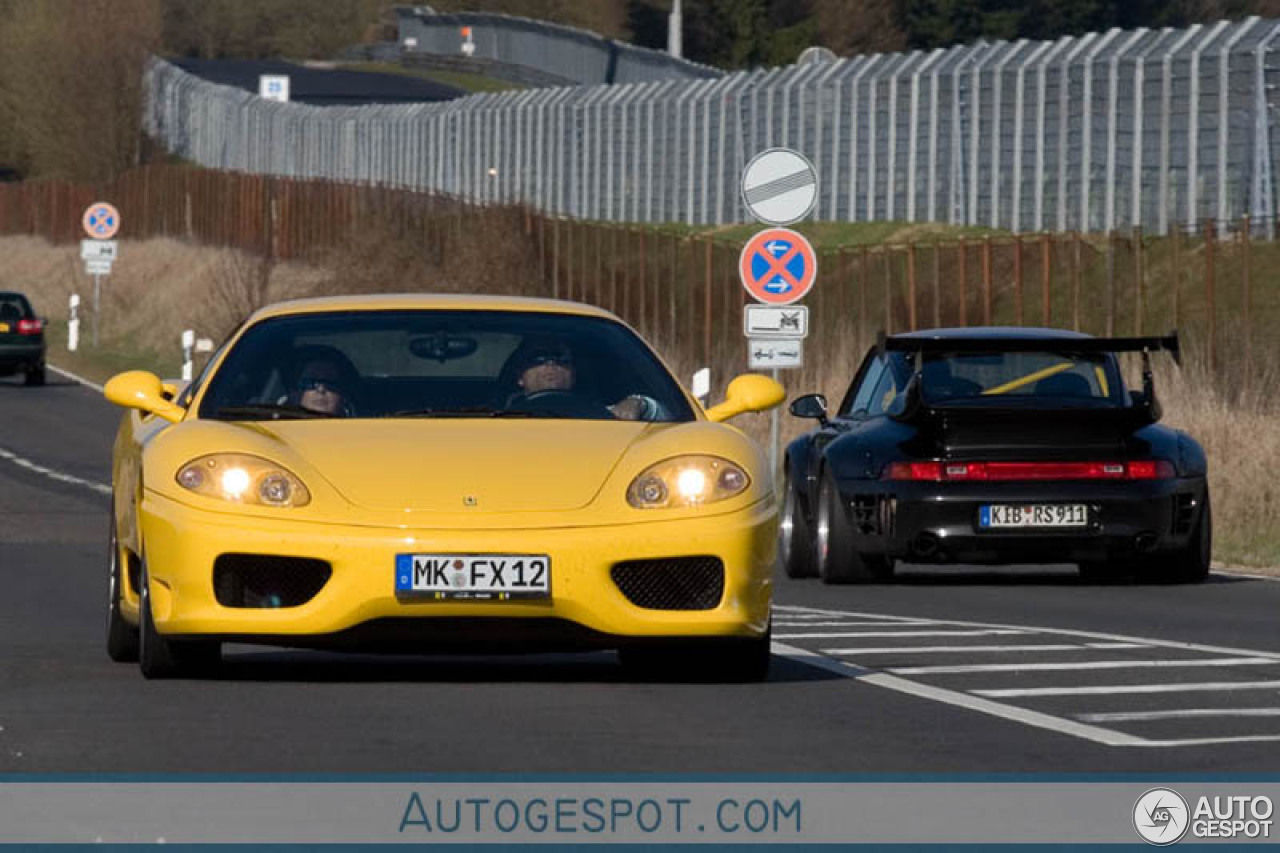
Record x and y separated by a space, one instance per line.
939 522
181 544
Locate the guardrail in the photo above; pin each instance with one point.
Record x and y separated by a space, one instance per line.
581 56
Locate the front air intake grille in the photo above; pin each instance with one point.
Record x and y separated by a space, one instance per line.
263 581
676 583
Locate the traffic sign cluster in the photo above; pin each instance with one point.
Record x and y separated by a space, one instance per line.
778 266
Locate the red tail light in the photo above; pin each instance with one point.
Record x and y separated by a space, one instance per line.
1005 471
30 326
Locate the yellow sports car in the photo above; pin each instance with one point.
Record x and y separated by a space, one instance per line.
439 473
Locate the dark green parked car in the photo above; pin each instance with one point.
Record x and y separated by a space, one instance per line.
21 339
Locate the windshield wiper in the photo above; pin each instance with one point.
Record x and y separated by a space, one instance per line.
468 412
273 411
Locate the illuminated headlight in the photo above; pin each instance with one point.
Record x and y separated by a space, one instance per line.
243 479
687 481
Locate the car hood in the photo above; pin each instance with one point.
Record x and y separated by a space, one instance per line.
450 466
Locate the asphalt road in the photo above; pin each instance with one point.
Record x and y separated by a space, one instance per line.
940 672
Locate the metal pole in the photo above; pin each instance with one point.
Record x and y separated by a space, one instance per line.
97 305
775 430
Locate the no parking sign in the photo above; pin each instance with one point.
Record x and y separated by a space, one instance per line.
778 266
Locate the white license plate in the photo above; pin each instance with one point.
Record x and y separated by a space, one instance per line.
477 577
1033 515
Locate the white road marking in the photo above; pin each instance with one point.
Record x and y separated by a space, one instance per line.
1031 647
1037 666
1092 635
981 700
958 699
819 635
75 378
788 623
1249 575
1110 689
912 650
61 477
1176 714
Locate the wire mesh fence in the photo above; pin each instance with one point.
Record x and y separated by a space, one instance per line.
1104 131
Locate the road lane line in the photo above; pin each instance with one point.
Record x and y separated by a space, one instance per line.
1109 689
1090 635
910 650
61 477
958 699
1176 714
787 623
75 378
963 669
820 635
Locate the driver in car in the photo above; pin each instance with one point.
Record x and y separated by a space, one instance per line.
325 382
549 367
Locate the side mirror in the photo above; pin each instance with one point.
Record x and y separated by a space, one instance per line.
748 393
810 406
138 389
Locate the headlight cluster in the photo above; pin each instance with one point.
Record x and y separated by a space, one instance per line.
687 481
243 479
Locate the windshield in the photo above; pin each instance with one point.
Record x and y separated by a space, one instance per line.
387 364
1022 376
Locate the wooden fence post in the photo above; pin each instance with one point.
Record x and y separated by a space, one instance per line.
707 305
1210 298
1077 260
911 286
937 285
986 281
1017 278
962 250
1139 283
1246 274
1046 280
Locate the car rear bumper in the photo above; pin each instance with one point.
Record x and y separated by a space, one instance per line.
20 356
358 607
939 522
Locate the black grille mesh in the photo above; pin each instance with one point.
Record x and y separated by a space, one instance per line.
263 581
1184 511
675 583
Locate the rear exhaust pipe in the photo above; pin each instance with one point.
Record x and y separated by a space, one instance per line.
925 545
1145 543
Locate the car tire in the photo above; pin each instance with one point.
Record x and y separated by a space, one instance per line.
161 657
1191 563
715 660
795 537
35 376
837 561
122 638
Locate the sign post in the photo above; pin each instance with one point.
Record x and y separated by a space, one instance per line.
101 221
777 266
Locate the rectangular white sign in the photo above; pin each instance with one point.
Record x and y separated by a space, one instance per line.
99 250
775 353
776 321
97 267
273 87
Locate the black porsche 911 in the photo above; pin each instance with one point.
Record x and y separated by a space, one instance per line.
996 446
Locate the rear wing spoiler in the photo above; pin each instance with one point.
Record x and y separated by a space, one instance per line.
1168 343
1146 407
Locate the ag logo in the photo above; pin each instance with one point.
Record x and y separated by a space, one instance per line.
1161 816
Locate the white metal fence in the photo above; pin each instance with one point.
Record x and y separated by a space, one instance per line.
1107 130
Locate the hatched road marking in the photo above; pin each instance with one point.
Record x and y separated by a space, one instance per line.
994 700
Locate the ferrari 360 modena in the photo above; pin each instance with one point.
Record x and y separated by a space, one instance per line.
440 474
